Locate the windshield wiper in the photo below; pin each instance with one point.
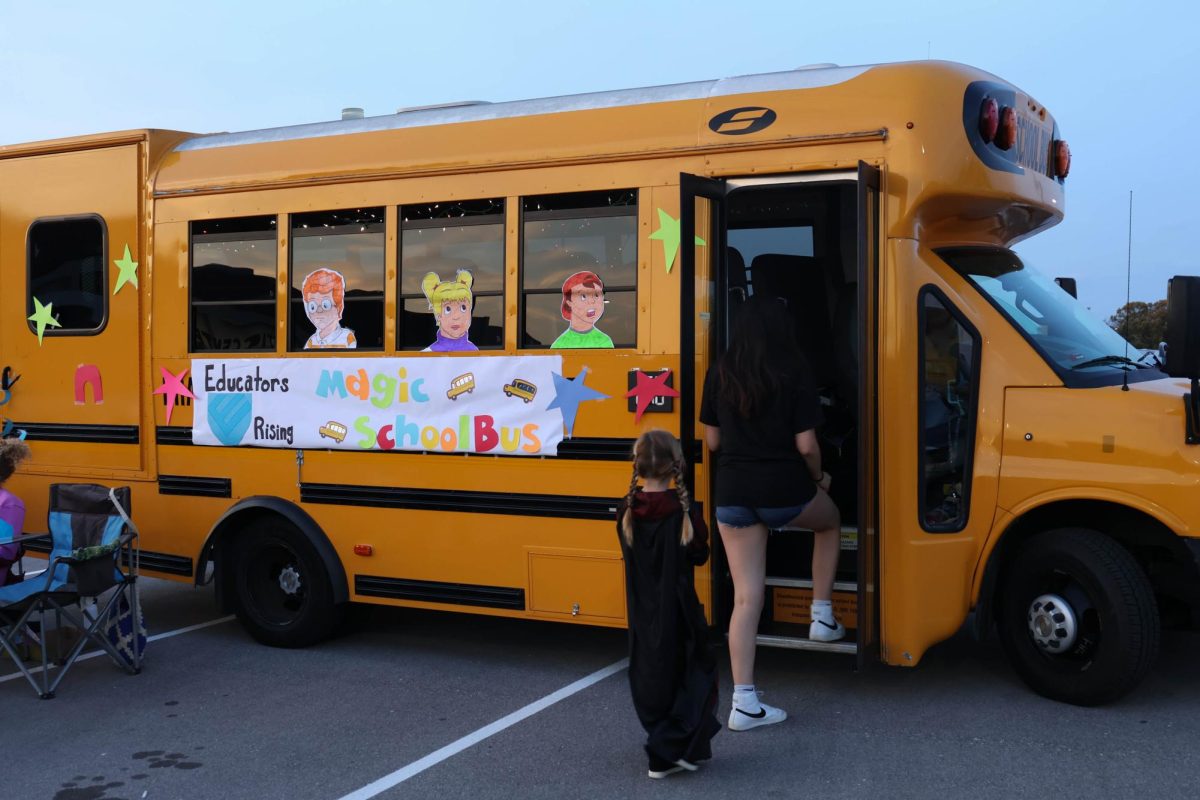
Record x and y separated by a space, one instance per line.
1108 361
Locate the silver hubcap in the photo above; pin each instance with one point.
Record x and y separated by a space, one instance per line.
1052 623
289 580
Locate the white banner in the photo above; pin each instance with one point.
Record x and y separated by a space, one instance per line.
492 404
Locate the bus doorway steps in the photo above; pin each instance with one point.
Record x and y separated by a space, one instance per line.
805 583
785 622
802 643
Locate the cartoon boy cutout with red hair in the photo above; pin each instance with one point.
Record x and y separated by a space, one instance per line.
582 307
324 292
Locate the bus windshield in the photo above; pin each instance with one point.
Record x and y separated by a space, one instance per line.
1069 337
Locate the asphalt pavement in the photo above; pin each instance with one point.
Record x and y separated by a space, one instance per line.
417 704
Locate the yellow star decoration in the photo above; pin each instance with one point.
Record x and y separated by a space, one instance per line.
669 234
128 271
41 316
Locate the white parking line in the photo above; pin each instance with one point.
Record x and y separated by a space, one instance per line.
154 638
437 756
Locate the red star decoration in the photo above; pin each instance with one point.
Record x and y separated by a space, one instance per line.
649 387
172 387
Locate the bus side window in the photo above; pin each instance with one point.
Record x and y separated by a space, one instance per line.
67 270
232 284
444 238
348 246
568 241
949 365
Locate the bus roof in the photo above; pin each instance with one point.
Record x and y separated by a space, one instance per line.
478 111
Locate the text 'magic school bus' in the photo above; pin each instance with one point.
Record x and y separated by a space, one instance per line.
402 359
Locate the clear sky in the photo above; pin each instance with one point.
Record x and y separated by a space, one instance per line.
1120 78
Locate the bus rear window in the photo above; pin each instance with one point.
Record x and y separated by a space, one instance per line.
66 272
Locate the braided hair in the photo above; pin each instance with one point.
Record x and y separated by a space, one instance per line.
657 455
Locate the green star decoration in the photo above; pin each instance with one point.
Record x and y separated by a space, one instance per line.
669 234
128 273
41 316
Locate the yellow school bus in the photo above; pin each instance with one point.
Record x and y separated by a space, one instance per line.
171 302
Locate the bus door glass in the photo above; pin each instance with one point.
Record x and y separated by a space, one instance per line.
73 265
702 226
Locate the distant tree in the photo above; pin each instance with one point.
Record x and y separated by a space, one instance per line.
1143 324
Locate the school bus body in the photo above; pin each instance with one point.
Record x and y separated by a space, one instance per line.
534 537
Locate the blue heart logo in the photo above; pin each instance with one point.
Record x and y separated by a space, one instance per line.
229 416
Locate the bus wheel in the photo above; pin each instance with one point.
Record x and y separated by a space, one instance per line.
284 594
1077 617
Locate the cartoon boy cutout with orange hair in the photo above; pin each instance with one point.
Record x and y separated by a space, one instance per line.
582 307
324 293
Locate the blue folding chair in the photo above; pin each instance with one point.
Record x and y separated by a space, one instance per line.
93 559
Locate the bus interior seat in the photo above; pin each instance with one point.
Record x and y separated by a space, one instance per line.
800 280
736 281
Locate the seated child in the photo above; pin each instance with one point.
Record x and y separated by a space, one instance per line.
12 510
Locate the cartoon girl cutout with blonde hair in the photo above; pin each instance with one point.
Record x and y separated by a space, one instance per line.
451 303
324 293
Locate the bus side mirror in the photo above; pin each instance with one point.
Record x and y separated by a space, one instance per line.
1183 327
1068 286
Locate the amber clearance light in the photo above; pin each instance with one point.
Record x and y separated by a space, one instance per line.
1006 132
989 119
1062 158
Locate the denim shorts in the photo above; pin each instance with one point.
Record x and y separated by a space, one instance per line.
744 516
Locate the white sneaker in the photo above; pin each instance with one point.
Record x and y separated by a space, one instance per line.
741 719
660 768
821 631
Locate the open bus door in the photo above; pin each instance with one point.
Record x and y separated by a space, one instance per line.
702 213
812 239
868 418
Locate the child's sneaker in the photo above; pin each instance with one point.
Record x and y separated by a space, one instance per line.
743 716
821 631
661 768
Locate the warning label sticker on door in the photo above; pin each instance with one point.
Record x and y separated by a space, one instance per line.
794 605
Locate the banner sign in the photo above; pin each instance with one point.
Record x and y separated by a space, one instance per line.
492 404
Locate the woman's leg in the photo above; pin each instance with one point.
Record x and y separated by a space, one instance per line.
746 551
822 518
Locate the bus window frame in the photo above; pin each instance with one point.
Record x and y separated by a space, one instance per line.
403 225
303 233
191 302
49 331
973 420
632 211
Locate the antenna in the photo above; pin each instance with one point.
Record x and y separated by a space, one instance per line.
1128 281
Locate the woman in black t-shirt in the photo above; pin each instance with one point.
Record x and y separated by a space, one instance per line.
760 411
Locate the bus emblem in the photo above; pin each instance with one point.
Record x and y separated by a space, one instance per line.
740 121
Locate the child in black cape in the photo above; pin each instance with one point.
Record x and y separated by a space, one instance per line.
672 668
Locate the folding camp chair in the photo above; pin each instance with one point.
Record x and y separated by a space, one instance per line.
93 558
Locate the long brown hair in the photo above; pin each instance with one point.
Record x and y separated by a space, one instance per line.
762 349
657 455
12 452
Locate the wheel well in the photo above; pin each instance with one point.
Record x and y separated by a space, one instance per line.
1166 560
248 511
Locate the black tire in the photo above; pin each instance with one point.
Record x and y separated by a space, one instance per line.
1109 605
284 596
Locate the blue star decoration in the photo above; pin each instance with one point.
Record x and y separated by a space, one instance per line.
569 393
